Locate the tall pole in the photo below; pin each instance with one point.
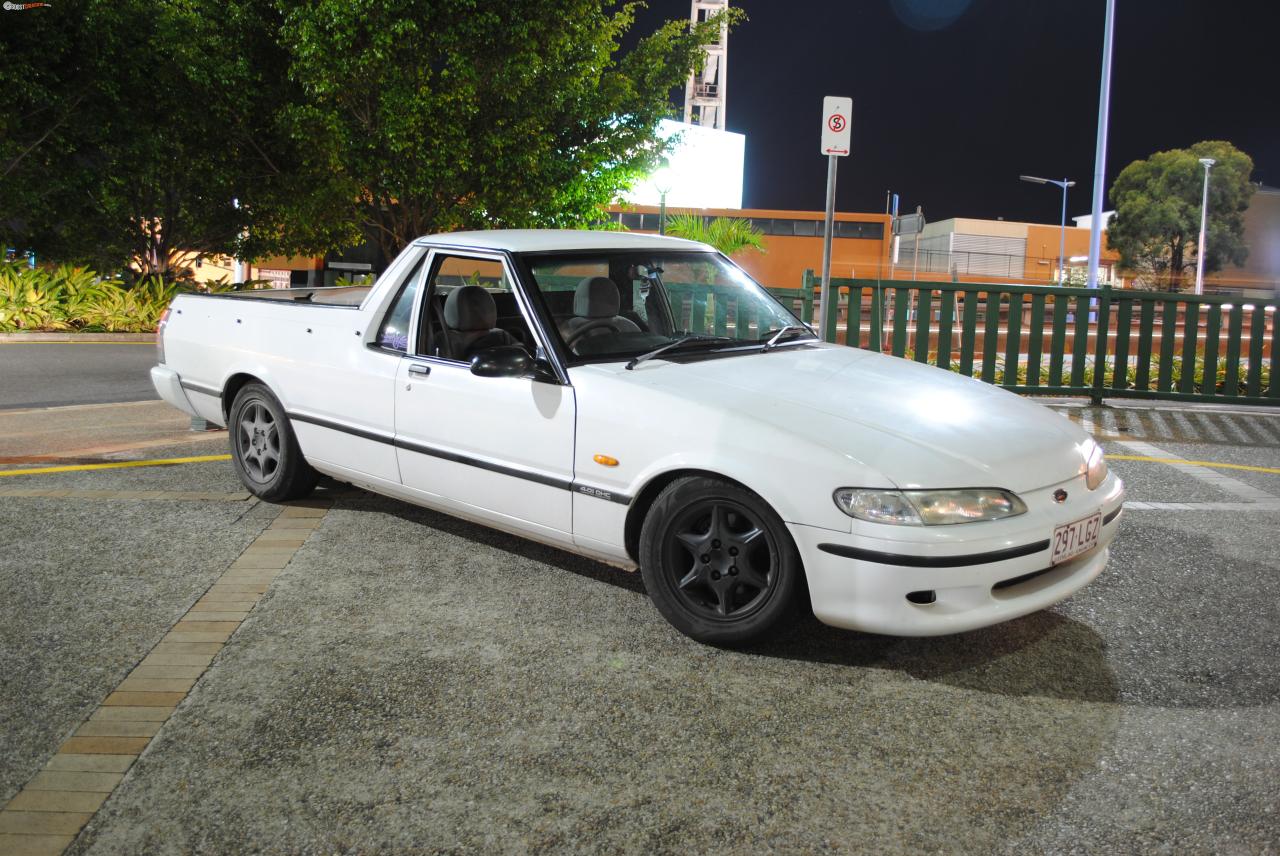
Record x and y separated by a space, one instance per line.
1204 218
237 274
829 300
1100 152
915 262
662 214
1062 243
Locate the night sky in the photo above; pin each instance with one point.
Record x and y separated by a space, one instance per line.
953 99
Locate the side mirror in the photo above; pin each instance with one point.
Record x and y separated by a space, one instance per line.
502 361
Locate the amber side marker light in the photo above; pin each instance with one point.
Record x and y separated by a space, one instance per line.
605 460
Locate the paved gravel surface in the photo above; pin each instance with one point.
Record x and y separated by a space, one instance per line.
46 374
86 589
412 683
415 682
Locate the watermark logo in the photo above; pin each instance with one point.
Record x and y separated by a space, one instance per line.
22 7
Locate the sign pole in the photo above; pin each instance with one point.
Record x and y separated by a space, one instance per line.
837 116
829 299
915 263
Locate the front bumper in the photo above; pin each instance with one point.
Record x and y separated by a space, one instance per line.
972 583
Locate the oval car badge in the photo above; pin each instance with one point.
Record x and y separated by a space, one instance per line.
1059 495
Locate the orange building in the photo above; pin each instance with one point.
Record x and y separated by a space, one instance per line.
792 239
863 247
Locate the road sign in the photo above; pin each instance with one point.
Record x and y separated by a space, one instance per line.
837 116
909 224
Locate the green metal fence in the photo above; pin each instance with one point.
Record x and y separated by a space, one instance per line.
1049 340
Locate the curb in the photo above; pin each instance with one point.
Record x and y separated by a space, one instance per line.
77 337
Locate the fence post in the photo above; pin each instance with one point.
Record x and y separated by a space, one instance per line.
876 321
1102 339
829 320
806 285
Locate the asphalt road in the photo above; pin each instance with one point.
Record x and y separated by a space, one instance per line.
53 374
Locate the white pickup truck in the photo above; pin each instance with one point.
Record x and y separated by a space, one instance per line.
641 400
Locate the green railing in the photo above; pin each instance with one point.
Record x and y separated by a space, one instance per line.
1050 340
716 309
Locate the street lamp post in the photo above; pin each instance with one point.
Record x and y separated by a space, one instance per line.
662 183
1062 244
1207 163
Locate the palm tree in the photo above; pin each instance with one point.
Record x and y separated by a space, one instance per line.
729 235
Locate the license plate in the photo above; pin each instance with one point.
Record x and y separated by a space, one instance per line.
1072 539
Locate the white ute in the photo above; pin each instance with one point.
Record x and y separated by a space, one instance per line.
642 401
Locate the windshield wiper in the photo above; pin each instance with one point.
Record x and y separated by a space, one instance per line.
790 328
683 340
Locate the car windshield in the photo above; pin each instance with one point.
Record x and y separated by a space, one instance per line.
624 305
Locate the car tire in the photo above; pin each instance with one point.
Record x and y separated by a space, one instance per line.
264 450
718 562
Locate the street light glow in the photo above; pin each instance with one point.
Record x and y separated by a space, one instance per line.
1062 246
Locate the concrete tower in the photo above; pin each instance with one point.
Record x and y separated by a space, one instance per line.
705 92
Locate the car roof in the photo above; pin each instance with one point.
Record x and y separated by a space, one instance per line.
549 240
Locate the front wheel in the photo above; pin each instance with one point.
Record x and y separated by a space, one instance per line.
718 561
264 451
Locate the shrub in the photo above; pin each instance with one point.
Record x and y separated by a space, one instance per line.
79 300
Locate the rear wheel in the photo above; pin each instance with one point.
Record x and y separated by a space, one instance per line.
264 450
718 561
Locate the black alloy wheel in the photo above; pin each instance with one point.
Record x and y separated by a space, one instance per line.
718 561
264 450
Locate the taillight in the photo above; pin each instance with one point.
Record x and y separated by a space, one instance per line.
164 319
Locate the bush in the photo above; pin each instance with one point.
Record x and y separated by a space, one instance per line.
72 299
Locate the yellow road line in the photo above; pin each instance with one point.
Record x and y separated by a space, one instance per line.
116 465
1275 470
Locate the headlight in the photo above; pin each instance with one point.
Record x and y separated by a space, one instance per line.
928 507
1096 468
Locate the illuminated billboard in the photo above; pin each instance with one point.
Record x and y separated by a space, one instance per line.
704 169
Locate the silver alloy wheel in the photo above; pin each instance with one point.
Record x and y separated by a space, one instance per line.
258 439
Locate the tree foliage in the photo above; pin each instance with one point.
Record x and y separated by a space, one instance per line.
131 127
1156 226
455 114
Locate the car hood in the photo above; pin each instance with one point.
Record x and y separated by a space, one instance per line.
917 425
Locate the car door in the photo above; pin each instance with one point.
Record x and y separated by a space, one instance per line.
500 448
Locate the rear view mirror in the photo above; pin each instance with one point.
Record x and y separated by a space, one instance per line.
502 361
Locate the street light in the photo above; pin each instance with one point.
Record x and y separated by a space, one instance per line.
1062 249
662 183
1207 163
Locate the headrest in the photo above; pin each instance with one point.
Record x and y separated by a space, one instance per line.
596 297
469 308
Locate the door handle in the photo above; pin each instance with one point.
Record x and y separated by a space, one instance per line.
419 369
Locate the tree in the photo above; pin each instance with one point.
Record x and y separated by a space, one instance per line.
1156 226
451 114
130 129
729 235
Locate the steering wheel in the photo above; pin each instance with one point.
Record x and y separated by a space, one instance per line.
587 328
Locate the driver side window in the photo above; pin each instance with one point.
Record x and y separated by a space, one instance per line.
471 305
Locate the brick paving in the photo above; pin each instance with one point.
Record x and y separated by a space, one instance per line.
47 814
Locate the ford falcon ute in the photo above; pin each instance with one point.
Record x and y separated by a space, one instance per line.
641 400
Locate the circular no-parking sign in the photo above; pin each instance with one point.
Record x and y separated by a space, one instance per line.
837 117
